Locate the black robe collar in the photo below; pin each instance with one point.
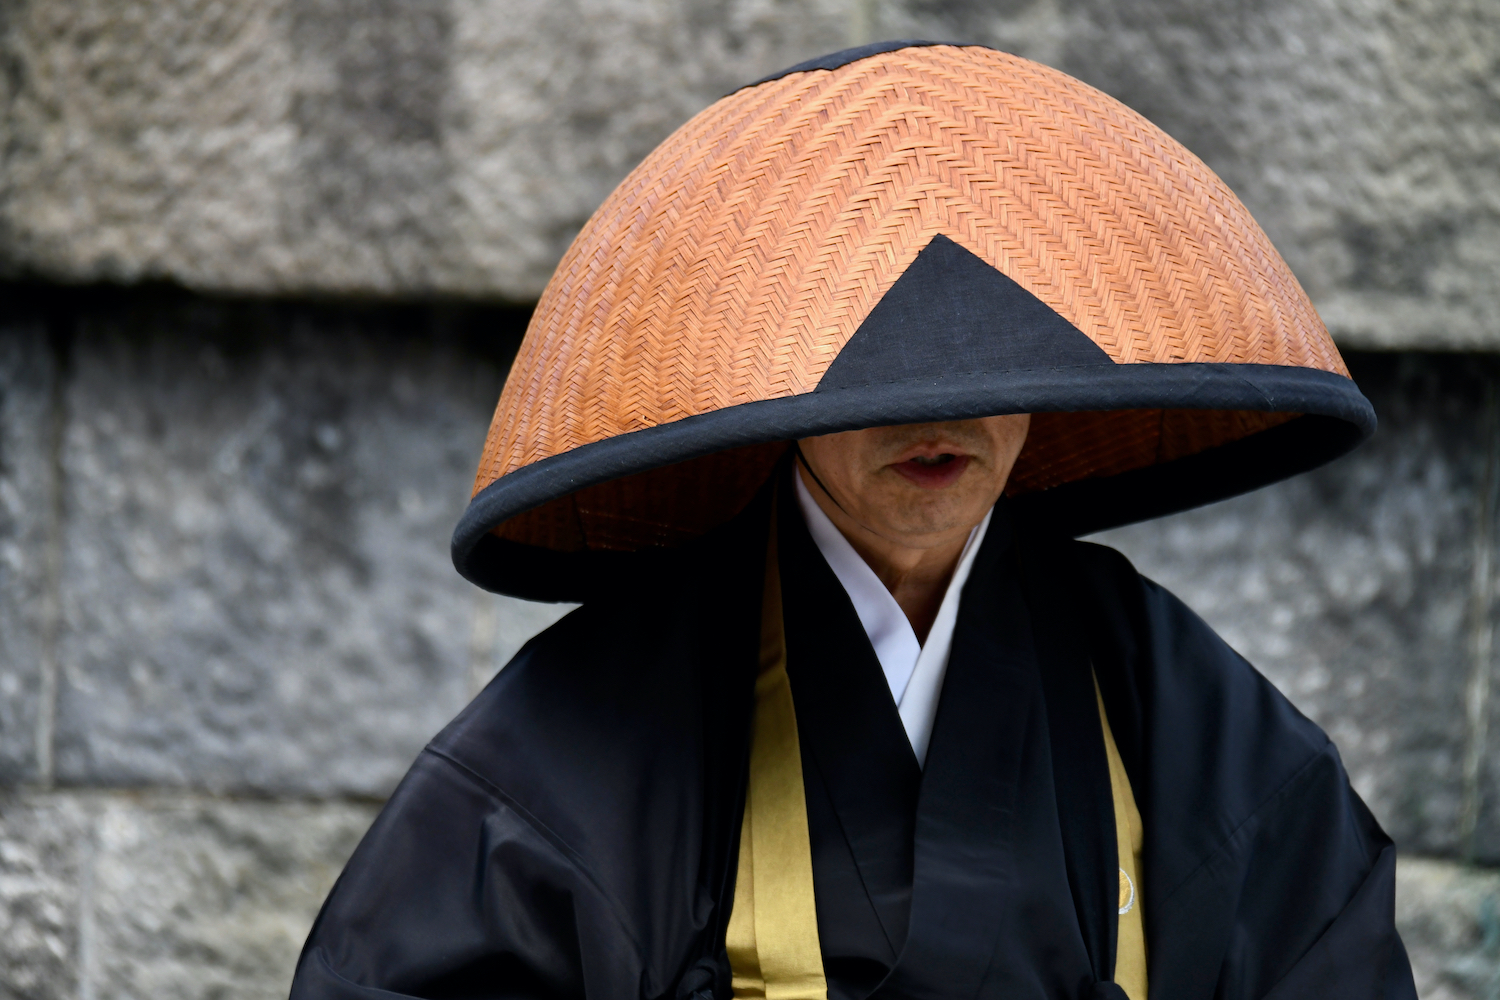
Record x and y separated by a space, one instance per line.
998 859
860 773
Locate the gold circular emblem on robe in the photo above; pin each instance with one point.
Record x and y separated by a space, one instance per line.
1127 893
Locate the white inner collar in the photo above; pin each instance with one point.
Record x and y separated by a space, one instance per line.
914 671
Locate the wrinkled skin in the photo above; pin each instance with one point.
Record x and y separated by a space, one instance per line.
907 496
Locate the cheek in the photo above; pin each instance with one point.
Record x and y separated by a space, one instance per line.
840 461
1009 432
1009 439
857 458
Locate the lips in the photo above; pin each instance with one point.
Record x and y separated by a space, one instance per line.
933 472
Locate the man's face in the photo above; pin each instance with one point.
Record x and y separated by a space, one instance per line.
916 484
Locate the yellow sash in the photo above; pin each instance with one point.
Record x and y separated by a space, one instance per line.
772 937
1130 938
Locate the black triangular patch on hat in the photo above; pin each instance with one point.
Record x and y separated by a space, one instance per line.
950 313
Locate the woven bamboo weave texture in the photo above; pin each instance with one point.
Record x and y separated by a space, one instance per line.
741 255
735 262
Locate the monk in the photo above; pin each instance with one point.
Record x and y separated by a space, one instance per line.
810 421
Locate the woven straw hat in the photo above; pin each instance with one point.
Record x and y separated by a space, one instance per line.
902 233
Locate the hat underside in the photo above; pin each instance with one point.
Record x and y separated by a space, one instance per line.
952 338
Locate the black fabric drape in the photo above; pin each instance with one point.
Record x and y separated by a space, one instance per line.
1264 873
573 832
858 767
1012 815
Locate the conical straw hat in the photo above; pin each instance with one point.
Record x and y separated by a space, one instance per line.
902 233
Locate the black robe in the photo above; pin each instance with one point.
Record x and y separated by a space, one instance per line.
573 833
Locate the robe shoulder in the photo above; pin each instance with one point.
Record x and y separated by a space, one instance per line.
1266 875
566 835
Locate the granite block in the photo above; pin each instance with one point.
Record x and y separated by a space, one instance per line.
257 593
456 146
44 856
163 896
1449 918
195 897
29 519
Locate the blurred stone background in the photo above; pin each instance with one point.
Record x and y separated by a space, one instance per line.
263 264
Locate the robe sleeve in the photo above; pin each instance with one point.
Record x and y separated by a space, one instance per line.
570 833
1337 964
457 892
1313 897
1266 876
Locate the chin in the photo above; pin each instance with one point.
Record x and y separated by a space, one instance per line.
938 515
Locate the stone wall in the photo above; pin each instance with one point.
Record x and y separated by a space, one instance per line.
230 620
227 617
454 146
